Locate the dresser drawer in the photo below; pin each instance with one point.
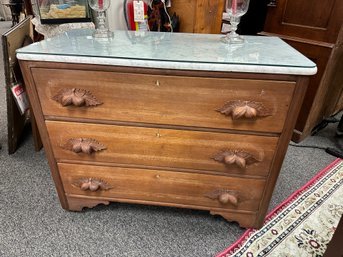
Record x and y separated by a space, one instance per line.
255 105
206 151
162 186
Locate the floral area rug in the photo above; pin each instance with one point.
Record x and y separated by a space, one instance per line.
301 226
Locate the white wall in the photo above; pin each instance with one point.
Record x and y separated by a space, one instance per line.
115 16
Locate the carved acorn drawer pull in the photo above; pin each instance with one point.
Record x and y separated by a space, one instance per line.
224 196
244 109
237 157
91 184
83 145
76 96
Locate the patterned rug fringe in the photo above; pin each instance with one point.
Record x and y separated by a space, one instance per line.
234 248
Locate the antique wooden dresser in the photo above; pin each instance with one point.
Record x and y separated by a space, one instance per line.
178 120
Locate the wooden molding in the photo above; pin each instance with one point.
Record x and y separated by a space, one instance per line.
77 204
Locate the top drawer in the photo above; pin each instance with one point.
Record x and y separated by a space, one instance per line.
257 105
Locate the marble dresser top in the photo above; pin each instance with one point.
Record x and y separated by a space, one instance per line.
183 51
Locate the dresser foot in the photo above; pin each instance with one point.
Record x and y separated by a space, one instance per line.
77 204
245 220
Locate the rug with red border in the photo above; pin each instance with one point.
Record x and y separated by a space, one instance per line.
302 225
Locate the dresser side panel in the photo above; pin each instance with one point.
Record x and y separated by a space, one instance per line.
36 107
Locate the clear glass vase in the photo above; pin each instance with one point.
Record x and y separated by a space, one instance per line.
100 6
235 10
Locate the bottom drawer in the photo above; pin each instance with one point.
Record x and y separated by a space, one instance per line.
164 187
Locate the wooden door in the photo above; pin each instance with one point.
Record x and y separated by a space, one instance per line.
313 28
318 20
333 102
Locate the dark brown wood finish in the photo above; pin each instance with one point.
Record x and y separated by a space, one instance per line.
176 161
314 20
315 29
333 100
335 247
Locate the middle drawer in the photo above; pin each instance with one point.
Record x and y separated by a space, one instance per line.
214 152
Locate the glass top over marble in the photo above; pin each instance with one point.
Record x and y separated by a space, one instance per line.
171 47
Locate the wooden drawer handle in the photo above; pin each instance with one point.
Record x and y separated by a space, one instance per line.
224 196
244 109
83 145
236 157
91 184
76 96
